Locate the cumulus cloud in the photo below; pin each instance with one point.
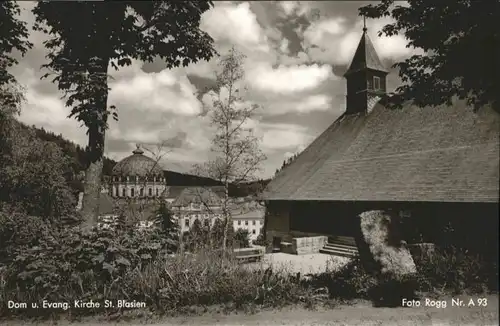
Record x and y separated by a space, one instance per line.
321 30
281 136
161 128
288 7
331 41
204 69
289 52
288 79
296 8
45 109
165 91
318 102
236 25
297 105
299 59
298 150
284 45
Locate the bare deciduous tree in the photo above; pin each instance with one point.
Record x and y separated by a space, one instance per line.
236 148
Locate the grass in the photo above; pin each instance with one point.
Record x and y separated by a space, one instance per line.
206 278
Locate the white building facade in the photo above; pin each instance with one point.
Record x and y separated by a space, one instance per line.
196 203
250 219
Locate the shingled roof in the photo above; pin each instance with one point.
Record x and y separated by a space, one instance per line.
172 192
200 195
365 57
447 154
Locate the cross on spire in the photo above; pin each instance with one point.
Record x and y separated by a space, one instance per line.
364 24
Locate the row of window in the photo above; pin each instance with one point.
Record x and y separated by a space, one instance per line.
197 215
196 208
206 221
132 192
135 179
254 222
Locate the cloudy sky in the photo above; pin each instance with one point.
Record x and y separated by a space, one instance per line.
296 54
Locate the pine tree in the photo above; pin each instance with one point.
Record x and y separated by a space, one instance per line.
167 226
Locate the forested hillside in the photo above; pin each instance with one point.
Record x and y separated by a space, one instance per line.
76 154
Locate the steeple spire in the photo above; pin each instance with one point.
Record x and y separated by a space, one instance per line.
366 76
366 56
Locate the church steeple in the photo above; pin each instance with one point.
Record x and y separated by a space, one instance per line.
366 76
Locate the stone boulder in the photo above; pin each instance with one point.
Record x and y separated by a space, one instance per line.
381 245
386 257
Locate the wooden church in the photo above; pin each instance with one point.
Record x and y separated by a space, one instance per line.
439 165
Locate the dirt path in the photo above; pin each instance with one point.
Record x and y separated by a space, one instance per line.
359 314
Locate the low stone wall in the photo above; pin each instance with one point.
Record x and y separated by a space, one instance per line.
308 245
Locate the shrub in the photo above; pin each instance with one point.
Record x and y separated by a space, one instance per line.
348 283
457 271
76 264
241 238
390 289
353 282
19 231
447 270
200 236
106 264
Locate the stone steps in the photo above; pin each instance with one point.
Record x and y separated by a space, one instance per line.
349 241
340 246
339 249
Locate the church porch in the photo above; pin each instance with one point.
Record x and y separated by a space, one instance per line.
311 227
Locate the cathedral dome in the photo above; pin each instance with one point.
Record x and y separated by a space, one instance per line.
138 165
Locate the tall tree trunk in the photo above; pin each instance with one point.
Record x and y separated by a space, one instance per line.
93 176
97 130
226 216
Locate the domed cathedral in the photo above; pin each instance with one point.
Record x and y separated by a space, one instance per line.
137 176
